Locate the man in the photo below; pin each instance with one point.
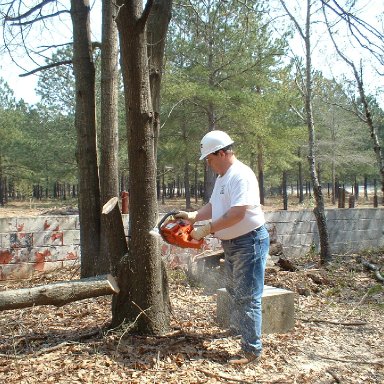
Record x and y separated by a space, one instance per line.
238 220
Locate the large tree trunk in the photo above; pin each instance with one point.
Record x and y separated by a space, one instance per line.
109 178
142 302
58 294
85 121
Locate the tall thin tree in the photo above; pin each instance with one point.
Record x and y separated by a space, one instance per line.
307 94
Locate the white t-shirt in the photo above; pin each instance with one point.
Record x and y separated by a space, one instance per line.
237 187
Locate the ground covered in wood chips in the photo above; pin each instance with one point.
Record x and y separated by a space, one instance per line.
337 338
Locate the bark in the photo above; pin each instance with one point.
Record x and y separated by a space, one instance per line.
143 301
306 90
187 185
300 177
157 27
58 294
85 122
260 171
209 175
109 182
109 138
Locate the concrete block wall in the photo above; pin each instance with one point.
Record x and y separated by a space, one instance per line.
41 243
350 230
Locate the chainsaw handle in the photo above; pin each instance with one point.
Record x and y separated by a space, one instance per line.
165 217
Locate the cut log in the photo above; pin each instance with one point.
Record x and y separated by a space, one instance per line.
59 293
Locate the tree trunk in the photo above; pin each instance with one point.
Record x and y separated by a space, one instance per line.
157 27
365 114
1 183
260 172
109 138
58 294
187 185
85 122
300 184
209 175
325 252
143 301
372 130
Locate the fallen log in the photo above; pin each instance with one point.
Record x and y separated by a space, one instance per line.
59 293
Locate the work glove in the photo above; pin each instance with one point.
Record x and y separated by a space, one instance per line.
200 232
190 216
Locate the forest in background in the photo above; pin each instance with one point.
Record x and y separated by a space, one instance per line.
223 70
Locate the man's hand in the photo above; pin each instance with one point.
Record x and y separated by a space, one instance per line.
200 232
190 216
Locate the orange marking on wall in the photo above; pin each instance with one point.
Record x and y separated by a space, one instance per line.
20 227
40 260
57 228
46 225
57 236
5 257
71 256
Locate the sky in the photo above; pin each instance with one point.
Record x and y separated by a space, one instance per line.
61 32
324 59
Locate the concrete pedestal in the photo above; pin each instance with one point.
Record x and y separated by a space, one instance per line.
277 309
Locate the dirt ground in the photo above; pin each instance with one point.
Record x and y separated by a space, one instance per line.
337 338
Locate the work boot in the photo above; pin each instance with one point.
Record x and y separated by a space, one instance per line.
244 358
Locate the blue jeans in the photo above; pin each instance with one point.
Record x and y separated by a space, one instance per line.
245 260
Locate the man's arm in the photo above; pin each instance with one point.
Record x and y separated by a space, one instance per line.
204 213
231 217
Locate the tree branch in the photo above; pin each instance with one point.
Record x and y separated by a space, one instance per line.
30 12
43 68
21 24
298 27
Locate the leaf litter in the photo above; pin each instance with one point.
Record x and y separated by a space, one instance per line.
337 338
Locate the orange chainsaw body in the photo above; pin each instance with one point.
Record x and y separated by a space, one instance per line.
178 232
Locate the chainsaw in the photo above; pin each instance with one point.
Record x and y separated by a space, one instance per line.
177 232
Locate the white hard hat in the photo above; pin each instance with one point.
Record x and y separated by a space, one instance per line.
214 141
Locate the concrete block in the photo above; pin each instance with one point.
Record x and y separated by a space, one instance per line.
8 224
20 240
277 309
